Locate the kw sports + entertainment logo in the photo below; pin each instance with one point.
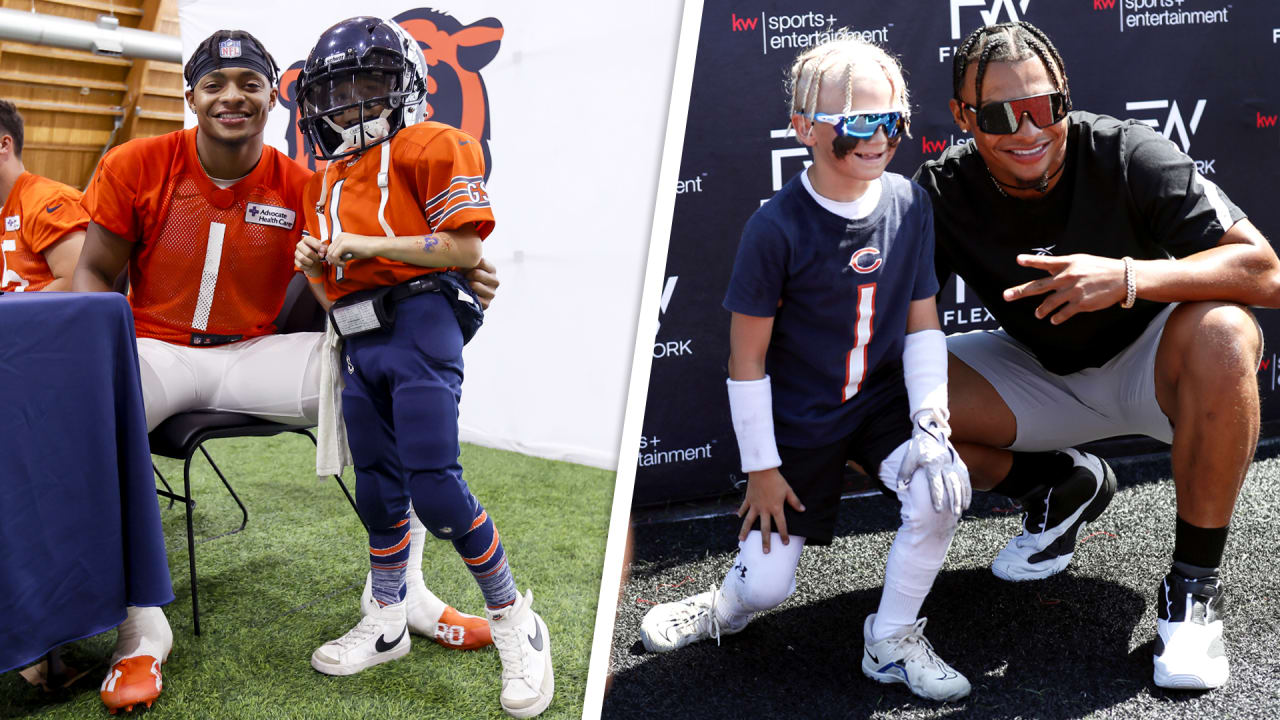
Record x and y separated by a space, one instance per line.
990 12
1173 124
1163 13
793 31
456 94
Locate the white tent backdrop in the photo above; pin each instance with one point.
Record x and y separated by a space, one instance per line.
577 95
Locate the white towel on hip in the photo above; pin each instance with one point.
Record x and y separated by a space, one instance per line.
332 452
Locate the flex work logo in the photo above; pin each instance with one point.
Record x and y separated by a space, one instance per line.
989 12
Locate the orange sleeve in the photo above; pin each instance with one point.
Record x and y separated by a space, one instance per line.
109 200
57 212
449 176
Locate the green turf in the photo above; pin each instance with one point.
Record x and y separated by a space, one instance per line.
291 581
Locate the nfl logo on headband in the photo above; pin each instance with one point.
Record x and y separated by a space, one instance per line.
229 49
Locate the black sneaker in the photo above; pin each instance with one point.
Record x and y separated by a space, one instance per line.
1052 519
1189 654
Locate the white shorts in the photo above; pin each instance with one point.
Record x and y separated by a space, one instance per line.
1060 411
276 377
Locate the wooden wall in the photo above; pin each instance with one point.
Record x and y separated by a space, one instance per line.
76 104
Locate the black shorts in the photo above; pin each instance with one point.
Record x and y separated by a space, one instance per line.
817 474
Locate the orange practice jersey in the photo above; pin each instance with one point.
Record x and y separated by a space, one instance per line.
37 214
210 264
435 183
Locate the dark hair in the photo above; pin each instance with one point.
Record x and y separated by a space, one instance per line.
209 46
11 125
1007 42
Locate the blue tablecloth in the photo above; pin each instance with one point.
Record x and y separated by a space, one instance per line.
80 534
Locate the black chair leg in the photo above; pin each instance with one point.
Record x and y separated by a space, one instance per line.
164 482
191 544
244 512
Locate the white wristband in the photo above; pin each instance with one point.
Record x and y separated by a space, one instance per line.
924 370
1130 284
751 407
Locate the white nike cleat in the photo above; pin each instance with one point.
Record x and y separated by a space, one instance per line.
379 636
429 617
1052 520
525 650
907 657
671 626
1189 654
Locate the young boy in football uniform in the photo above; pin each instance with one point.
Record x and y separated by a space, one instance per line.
836 355
206 221
396 207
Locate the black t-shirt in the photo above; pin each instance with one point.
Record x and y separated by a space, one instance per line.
1125 190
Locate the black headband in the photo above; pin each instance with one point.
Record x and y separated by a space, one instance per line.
231 53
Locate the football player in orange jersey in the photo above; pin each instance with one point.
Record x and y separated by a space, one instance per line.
206 220
43 221
397 210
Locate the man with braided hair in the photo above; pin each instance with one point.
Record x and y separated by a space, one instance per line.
1121 279
814 382
206 221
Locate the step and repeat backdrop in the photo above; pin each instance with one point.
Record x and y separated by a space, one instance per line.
1202 72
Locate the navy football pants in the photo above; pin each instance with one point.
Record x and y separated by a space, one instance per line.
401 410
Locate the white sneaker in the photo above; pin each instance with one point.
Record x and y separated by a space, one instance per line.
429 617
1189 654
1052 519
379 636
907 657
525 650
671 626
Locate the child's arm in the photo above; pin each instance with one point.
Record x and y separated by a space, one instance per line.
751 405
924 371
460 247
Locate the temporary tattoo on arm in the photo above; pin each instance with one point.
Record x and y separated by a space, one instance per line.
436 243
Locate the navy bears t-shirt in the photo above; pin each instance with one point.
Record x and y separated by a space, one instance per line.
1125 190
844 286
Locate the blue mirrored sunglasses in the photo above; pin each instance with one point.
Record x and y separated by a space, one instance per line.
862 125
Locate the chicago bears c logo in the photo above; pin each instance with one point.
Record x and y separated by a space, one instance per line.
866 260
456 95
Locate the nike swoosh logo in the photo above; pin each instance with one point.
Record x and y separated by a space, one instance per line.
463 142
382 645
873 657
51 208
536 640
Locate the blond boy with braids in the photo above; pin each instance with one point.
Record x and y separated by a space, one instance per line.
835 355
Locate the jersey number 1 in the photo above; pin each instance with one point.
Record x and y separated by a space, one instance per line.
856 360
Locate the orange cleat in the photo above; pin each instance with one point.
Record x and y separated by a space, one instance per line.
460 631
130 682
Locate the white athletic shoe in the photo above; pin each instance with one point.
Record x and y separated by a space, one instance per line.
671 626
1052 520
429 617
525 649
907 657
1189 654
379 636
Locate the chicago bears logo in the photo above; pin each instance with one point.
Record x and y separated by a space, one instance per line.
456 94
866 260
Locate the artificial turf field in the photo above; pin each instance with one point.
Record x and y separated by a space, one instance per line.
291 581
1075 645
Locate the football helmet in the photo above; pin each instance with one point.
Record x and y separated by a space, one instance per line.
364 80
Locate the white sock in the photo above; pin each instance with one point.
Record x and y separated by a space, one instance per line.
758 581
426 606
145 631
918 551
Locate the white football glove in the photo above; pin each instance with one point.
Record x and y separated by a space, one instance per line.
930 450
